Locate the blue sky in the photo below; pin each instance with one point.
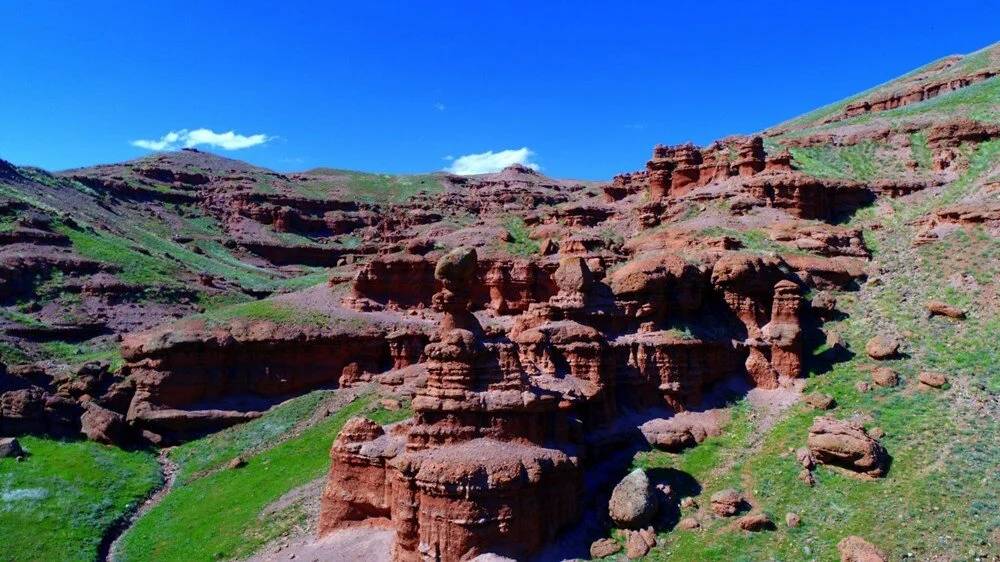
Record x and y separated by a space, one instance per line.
585 87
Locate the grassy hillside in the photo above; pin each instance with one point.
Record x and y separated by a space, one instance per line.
941 497
968 101
216 513
58 503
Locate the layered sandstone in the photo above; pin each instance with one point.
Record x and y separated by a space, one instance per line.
506 425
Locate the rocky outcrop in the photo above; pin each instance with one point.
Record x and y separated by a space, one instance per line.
655 286
192 376
358 491
34 410
803 196
847 445
676 170
103 425
476 445
913 92
505 285
822 239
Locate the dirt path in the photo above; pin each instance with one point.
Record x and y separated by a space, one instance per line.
358 544
108 551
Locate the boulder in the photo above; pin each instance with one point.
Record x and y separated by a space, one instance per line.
102 425
604 547
633 503
727 503
573 275
824 305
636 547
857 549
807 478
805 458
932 379
457 266
885 377
10 447
688 524
882 347
847 445
792 520
819 401
755 522
938 308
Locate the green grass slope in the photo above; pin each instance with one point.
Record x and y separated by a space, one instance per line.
941 497
214 514
965 100
59 502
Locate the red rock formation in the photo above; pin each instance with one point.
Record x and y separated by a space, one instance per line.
504 284
182 373
395 280
654 286
784 332
475 476
914 93
803 196
826 240
358 490
679 370
676 170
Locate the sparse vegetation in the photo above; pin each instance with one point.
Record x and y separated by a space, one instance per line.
371 188
522 244
266 310
921 152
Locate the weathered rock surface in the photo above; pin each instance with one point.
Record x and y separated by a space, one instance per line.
932 379
727 503
755 522
604 547
885 377
633 503
882 347
938 308
819 401
847 445
103 425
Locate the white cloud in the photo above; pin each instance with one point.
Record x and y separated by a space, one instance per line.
185 138
489 161
440 106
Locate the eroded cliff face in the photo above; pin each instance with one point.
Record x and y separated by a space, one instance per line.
504 428
608 339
